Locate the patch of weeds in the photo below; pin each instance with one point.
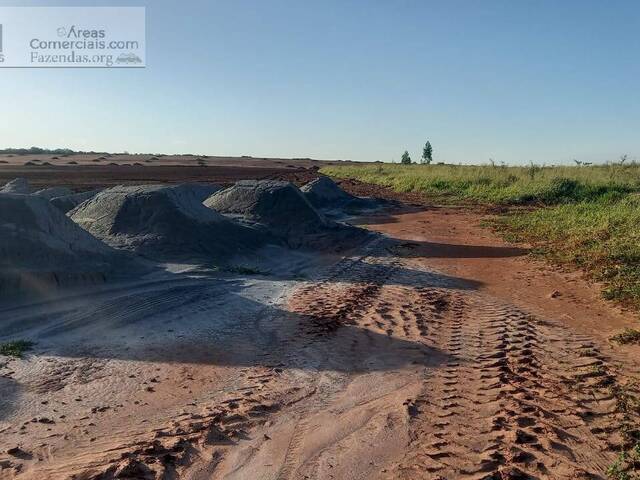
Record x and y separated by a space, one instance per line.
15 348
626 466
626 401
627 336
588 352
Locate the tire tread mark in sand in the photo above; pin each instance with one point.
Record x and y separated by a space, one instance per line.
130 308
506 411
452 402
343 298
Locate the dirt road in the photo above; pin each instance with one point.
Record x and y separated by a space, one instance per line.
436 352
445 379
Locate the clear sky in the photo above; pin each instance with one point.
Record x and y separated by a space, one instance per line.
512 80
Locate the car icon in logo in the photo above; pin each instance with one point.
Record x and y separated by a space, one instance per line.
128 58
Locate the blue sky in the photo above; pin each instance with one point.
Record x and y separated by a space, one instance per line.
512 80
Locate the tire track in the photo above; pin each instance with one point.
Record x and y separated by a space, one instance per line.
505 408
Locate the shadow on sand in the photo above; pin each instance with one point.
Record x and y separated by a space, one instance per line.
218 322
9 393
426 249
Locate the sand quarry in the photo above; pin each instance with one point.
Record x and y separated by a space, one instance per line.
251 329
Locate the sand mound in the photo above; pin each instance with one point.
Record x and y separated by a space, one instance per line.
68 202
53 192
277 205
325 194
281 209
40 248
18 185
164 223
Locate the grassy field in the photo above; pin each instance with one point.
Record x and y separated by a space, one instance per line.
601 236
499 185
585 216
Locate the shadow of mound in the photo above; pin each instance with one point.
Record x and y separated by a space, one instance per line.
424 249
10 392
208 324
404 276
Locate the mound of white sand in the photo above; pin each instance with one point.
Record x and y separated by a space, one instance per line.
164 223
41 249
281 209
18 185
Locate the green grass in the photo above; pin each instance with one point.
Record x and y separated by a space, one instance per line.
588 217
16 348
496 184
601 236
626 466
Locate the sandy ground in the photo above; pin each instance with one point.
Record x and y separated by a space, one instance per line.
435 352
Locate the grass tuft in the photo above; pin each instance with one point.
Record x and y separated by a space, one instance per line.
16 348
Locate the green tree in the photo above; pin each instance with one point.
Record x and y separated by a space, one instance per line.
406 159
427 153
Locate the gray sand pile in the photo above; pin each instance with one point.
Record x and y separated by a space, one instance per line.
277 205
323 193
18 185
200 191
68 202
281 209
166 223
41 249
53 192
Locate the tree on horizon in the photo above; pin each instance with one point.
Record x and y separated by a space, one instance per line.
406 159
427 153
